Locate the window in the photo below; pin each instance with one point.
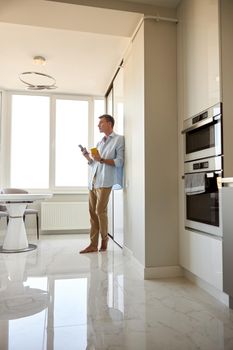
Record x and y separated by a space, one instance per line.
98 111
71 130
29 141
44 134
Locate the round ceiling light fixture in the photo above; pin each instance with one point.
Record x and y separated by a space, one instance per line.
37 81
39 60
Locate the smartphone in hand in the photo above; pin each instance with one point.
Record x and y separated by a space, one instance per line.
83 150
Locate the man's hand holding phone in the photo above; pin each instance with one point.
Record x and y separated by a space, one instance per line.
83 150
85 153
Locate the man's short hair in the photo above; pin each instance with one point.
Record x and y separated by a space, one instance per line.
109 118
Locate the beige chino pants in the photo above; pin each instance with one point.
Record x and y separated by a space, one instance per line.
98 203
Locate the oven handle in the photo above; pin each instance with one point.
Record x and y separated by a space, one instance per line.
211 174
209 120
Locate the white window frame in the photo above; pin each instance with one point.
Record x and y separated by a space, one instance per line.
66 189
5 156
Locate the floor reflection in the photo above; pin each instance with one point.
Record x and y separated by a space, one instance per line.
19 297
104 303
57 307
87 304
53 298
23 303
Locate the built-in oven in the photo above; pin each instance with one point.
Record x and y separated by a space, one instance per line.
203 134
202 195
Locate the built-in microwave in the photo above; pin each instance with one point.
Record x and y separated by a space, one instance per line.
203 134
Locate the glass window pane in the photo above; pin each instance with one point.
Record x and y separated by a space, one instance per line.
71 130
30 141
99 109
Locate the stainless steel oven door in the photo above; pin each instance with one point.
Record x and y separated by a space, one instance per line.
203 210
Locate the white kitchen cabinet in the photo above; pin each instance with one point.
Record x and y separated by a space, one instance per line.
198 89
202 255
198 40
226 40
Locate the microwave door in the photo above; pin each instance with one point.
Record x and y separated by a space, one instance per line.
203 142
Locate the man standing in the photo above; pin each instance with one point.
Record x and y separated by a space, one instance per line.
106 172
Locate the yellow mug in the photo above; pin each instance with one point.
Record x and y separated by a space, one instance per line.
94 151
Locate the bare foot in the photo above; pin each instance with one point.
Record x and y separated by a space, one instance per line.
104 245
89 249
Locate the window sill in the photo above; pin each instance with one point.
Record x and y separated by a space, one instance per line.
60 191
69 192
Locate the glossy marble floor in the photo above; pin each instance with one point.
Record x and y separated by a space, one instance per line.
54 298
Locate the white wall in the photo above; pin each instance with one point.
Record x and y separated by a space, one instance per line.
151 198
134 201
161 194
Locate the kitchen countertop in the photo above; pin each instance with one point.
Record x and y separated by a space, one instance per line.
227 181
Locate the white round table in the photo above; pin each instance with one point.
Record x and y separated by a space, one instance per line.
15 240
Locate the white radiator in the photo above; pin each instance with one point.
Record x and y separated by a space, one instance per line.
64 216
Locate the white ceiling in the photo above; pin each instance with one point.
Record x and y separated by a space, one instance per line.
77 60
163 3
82 45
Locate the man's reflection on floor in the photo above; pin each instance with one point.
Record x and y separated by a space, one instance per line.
104 303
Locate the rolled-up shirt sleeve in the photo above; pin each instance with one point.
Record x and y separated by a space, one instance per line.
120 149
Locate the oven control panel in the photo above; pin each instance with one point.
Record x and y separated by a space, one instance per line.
209 164
201 165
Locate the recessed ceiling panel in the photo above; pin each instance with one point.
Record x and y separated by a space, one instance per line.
82 45
82 63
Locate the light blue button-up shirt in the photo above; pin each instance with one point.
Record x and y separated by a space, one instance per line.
108 175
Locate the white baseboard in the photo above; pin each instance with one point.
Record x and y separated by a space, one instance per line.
31 232
162 272
153 272
216 293
176 271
